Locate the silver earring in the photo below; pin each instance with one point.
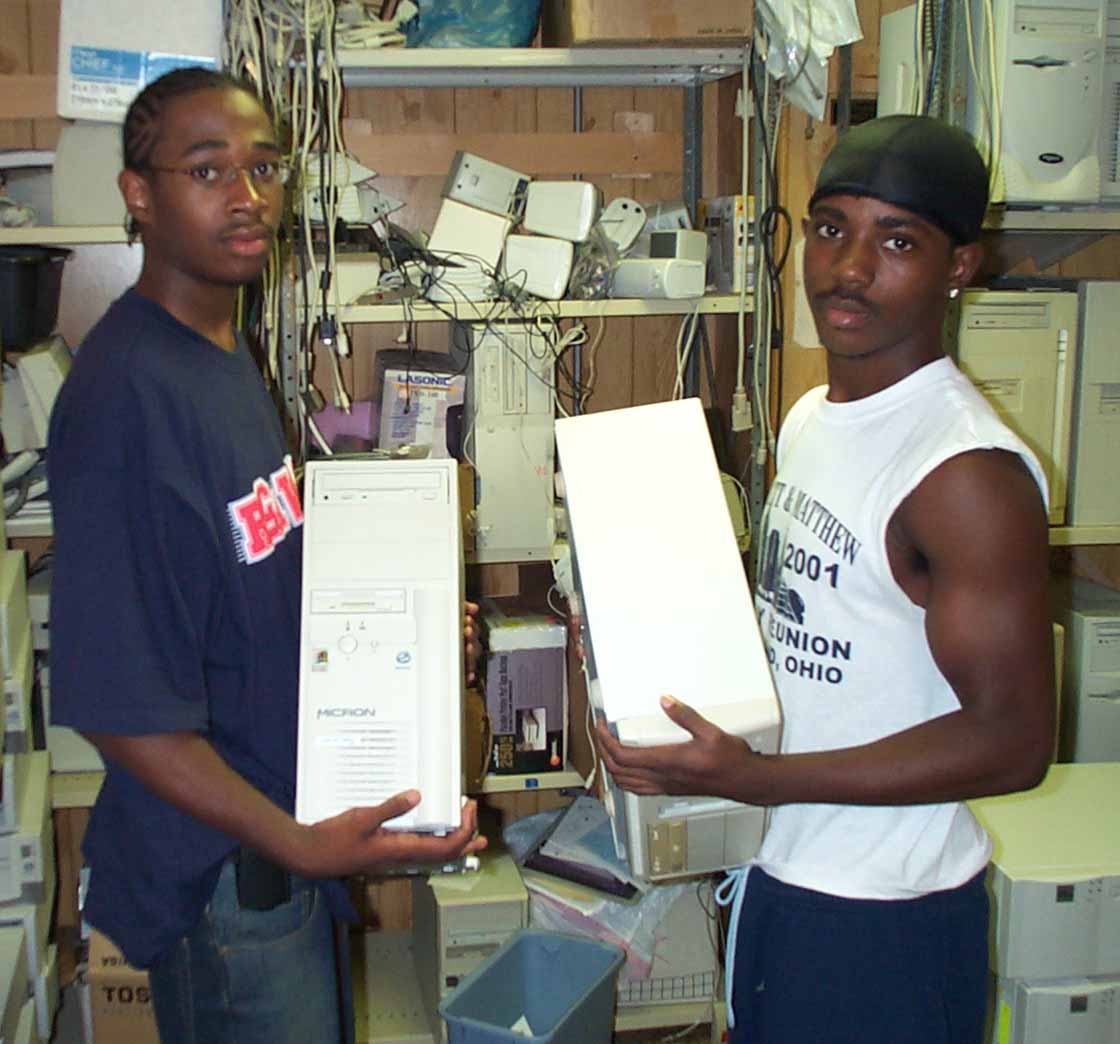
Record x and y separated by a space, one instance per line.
954 293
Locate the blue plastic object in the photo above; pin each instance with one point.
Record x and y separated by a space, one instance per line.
564 985
475 23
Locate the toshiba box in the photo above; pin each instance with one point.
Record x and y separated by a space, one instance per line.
119 997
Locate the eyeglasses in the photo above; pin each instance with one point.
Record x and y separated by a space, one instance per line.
263 173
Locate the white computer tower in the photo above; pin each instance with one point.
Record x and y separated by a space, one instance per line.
510 409
666 610
1090 723
1047 79
1110 106
1065 1011
381 656
1094 481
1017 347
1055 875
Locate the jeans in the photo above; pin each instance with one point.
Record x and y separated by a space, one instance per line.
254 977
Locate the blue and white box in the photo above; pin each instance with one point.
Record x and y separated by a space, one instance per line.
110 50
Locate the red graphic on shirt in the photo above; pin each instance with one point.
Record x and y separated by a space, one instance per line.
263 518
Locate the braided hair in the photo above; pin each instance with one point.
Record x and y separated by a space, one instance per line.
144 119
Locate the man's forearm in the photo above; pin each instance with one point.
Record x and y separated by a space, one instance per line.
187 772
950 758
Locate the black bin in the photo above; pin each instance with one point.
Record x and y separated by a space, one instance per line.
30 283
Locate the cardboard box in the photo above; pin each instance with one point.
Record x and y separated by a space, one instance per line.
576 23
110 50
526 690
119 997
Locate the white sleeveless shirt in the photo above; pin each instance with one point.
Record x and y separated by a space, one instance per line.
848 648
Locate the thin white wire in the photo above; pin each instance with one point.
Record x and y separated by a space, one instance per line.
686 337
592 355
587 728
764 293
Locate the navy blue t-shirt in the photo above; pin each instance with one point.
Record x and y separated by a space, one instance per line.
175 597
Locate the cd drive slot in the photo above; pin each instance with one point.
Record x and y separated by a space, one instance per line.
367 600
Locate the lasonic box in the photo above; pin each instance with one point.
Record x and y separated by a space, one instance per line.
526 690
574 23
119 997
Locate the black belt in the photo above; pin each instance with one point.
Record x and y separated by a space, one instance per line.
261 883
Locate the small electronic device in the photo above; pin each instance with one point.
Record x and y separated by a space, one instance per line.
622 221
463 235
19 728
684 243
27 853
658 277
510 410
1090 708
637 481
381 650
540 265
1076 1010
729 227
459 921
349 174
563 209
488 186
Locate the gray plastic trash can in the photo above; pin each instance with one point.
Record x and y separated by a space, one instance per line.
564 985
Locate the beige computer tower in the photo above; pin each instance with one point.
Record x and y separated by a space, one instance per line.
458 920
1094 483
1055 875
1017 347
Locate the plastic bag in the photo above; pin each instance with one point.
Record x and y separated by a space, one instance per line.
475 23
803 34
594 267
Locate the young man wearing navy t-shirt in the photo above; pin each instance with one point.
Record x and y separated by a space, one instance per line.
175 605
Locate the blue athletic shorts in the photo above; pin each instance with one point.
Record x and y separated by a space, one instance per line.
812 968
